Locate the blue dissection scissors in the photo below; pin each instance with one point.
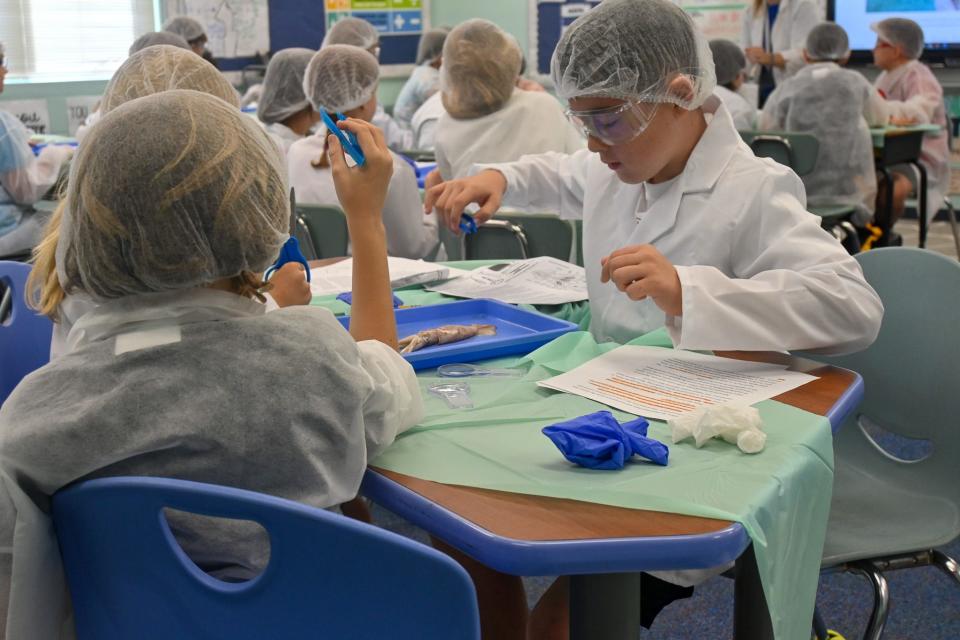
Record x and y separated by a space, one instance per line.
347 140
290 252
467 224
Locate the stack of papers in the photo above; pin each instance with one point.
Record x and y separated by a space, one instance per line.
542 280
338 278
662 383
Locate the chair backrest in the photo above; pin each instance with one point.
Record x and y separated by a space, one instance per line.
328 576
327 227
547 235
910 373
796 150
495 239
24 334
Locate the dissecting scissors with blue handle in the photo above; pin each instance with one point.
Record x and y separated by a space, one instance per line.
347 140
290 252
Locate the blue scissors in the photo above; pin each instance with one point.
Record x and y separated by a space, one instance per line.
467 224
347 140
290 252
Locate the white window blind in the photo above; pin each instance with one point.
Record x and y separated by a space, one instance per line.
68 40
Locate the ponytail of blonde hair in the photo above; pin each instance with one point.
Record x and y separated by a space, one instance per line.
44 292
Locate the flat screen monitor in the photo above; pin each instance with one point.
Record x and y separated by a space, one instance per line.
939 19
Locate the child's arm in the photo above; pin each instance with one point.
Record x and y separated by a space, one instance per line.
362 192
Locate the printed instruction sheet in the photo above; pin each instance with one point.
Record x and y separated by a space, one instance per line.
338 278
543 280
663 383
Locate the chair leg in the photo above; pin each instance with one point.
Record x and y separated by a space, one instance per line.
946 564
881 599
952 216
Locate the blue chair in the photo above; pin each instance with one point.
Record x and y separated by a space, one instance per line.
328 576
24 335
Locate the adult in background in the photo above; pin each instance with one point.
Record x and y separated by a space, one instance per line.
773 35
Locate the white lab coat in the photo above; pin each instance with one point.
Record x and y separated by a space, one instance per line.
398 137
788 36
282 135
913 92
425 121
530 122
743 113
422 83
213 391
838 106
757 271
410 233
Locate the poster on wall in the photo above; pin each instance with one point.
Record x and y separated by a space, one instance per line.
235 28
716 18
32 113
78 108
390 17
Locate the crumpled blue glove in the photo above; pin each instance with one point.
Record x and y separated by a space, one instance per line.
598 441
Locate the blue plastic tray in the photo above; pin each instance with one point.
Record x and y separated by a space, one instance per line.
518 331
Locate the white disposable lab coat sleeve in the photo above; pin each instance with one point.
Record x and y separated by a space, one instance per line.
545 182
394 403
926 97
794 287
31 182
875 109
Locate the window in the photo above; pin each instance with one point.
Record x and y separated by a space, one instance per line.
68 40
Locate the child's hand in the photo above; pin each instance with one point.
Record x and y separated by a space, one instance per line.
361 190
448 199
433 179
642 272
290 286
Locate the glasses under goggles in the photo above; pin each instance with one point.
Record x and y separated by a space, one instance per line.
615 125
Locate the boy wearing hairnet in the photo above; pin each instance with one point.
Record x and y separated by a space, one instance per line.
914 96
283 108
729 63
838 107
343 78
179 373
425 79
360 33
683 226
489 119
193 32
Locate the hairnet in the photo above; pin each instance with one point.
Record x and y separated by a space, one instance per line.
282 94
480 66
353 31
185 27
431 45
148 211
901 32
341 77
155 38
728 60
827 41
161 68
634 49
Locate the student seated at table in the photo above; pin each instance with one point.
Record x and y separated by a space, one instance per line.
683 226
179 373
729 63
360 33
425 79
343 78
837 106
914 96
283 108
489 119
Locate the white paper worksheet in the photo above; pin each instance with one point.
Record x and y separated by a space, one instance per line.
543 280
338 278
663 383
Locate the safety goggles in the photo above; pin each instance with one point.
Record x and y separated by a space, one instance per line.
615 125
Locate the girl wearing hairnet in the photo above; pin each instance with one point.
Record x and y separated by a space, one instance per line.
729 63
179 373
914 96
24 179
773 34
360 33
343 78
683 226
152 70
425 79
838 107
193 32
489 119
283 108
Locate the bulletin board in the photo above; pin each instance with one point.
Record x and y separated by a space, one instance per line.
303 23
548 20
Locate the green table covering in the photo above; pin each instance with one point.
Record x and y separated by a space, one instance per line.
879 134
781 496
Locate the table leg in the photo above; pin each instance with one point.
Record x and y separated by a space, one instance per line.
751 618
605 606
884 217
922 203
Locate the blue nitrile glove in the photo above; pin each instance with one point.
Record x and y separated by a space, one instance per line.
598 441
347 298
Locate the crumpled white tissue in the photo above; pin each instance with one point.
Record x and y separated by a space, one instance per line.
737 424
